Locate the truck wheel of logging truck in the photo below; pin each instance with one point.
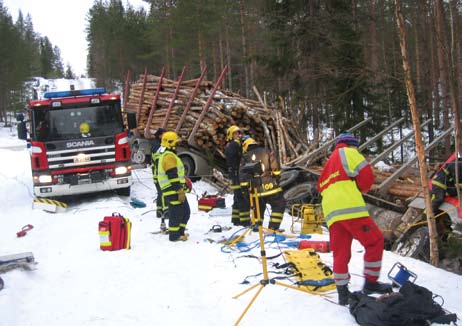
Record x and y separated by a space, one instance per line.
195 163
415 239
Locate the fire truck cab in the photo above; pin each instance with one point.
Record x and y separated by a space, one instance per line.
78 143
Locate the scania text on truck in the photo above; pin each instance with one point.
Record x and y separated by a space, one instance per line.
78 143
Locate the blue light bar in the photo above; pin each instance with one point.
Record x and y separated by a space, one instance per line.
82 92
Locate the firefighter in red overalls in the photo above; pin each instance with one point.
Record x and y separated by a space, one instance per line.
345 176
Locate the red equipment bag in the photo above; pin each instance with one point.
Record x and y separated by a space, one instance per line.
208 202
114 232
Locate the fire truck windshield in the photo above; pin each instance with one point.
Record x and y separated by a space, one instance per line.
71 123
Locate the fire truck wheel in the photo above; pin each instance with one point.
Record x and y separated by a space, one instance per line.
123 192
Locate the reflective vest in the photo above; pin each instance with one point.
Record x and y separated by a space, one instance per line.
269 184
154 163
164 182
341 198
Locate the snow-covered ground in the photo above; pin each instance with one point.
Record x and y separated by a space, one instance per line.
156 282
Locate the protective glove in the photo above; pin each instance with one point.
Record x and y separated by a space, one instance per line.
181 196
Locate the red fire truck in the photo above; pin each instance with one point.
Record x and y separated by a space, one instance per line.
78 143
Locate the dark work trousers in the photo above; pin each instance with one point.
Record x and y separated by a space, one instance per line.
159 203
237 199
178 218
244 210
278 206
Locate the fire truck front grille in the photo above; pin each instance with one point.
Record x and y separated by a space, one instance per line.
81 157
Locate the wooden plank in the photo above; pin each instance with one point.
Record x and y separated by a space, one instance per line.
386 184
396 144
380 134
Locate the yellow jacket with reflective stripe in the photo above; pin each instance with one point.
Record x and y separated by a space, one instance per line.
164 182
345 175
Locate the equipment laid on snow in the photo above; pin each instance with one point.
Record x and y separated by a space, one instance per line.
399 275
310 271
23 260
310 217
114 232
316 245
136 203
209 202
412 305
24 230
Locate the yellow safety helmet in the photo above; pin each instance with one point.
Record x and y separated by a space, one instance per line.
231 130
246 143
169 139
84 128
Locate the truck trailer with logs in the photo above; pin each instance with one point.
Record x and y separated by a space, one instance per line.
200 112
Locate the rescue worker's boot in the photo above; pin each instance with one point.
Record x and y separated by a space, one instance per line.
235 217
377 287
163 227
343 294
275 227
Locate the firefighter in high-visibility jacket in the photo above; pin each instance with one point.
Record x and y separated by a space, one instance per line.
266 184
345 176
155 154
172 182
233 154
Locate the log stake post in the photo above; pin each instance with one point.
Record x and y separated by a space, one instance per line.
140 104
147 134
172 102
190 100
206 106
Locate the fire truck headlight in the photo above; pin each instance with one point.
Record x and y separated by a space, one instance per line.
123 140
36 150
121 170
44 178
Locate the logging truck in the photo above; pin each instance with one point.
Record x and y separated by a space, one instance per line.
200 112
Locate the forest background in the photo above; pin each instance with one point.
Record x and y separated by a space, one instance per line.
330 63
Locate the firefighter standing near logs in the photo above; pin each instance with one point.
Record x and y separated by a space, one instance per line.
269 191
160 212
172 182
345 176
233 154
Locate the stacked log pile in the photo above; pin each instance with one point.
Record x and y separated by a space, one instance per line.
262 122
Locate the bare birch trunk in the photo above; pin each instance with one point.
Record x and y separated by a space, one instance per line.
434 255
